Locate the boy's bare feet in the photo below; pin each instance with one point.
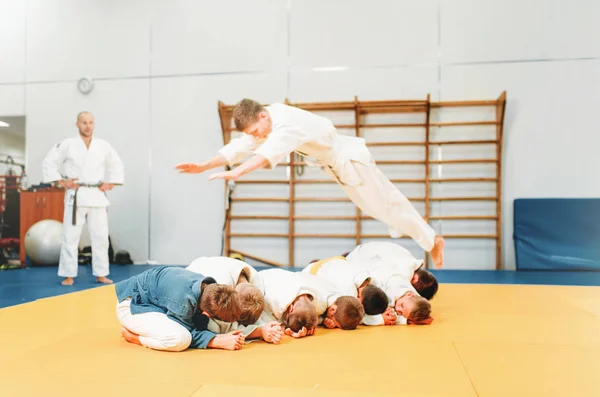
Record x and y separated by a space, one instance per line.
67 281
104 280
130 336
437 253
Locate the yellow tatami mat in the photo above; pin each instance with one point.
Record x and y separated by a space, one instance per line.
487 340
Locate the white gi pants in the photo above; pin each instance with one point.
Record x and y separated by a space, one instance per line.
377 197
97 220
156 330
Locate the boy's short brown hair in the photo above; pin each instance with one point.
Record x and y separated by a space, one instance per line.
221 302
245 113
304 315
252 302
421 310
349 313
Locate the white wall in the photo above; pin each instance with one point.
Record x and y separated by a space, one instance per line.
160 68
12 145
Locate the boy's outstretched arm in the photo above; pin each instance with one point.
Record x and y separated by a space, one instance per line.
255 162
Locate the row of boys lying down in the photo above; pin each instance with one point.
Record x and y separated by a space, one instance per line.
220 302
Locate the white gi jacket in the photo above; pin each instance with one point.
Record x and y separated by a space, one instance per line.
309 135
225 270
345 275
71 159
282 287
405 263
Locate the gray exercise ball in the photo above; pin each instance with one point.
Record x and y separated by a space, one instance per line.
43 241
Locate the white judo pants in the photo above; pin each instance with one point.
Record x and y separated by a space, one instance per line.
380 199
97 220
156 330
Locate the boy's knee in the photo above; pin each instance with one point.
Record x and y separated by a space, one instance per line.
177 342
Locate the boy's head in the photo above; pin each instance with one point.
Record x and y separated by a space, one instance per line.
252 303
220 302
414 308
373 299
301 313
425 283
252 118
346 312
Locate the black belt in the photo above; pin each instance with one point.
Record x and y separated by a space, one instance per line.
74 215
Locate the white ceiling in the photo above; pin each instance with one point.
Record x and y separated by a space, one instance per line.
17 125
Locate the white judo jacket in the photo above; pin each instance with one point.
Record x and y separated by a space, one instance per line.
225 270
309 135
347 276
71 159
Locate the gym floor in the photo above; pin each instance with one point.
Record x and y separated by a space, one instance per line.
490 337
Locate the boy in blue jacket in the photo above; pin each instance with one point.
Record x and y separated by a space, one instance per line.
167 308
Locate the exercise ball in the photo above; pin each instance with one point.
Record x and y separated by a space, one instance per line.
43 241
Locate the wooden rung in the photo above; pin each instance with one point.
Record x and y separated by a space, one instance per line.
462 199
476 142
309 181
286 164
258 258
260 217
458 236
324 218
464 217
422 162
462 161
259 199
440 180
322 235
286 235
398 102
462 103
461 123
325 106
392 125
407 162
260 181
388 110
351 218
396 144
340 199
321 199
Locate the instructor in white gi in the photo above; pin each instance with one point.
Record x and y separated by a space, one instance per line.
87 167
271 133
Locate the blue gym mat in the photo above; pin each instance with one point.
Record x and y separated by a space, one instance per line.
26 285
557 234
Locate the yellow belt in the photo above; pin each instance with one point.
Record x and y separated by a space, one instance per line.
317 265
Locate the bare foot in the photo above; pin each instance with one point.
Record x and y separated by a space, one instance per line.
437 253
67 281
104 280
130 336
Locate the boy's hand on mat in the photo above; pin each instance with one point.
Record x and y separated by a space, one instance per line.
329 323
231 341
271 332
227 175
191 168
300 334
389 316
